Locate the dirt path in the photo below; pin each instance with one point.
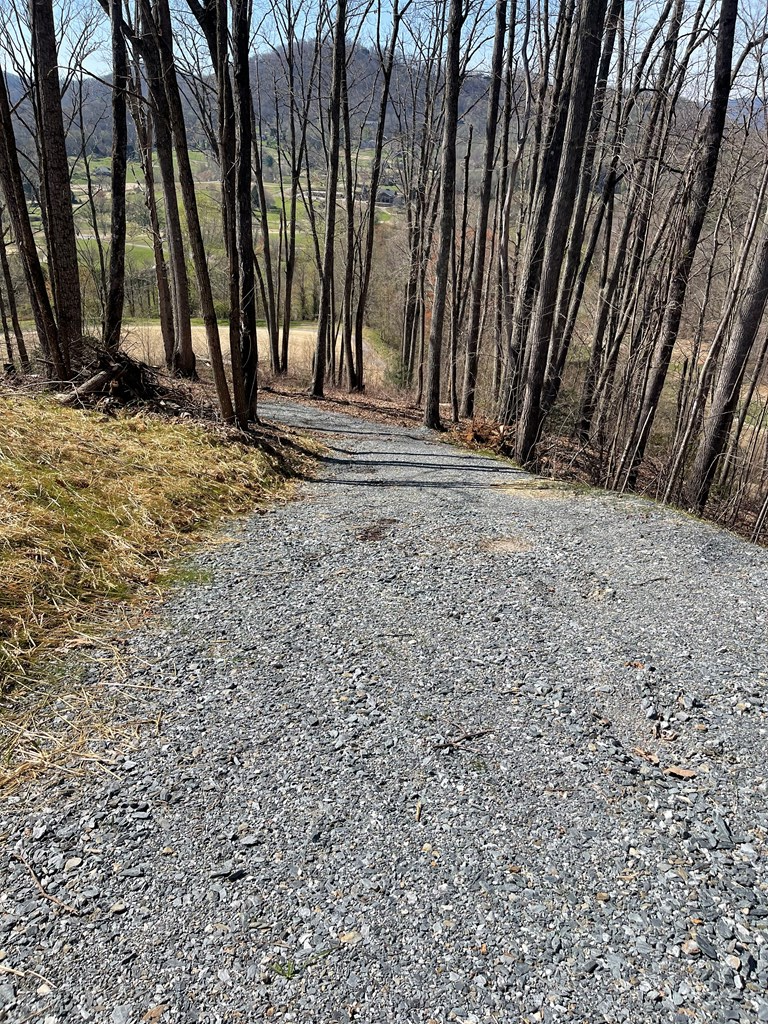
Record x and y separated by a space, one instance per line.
438 742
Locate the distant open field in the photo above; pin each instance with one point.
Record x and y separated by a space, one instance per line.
145 342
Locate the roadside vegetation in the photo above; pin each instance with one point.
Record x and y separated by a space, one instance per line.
95 509
549 223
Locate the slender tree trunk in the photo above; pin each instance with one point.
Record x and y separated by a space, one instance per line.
376 164
324 322
164 38
183 359
582 86
271 312
6 333
579 255
227 145
447 213
478 267
349 263
11 297
549 151
699 203
725 398
54 355
244 123
144 131
100 276
113 314
64 265
458 291
637 211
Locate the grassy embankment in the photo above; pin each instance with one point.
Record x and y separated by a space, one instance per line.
93 512
93 509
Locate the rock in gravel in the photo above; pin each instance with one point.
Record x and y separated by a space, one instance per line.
436 742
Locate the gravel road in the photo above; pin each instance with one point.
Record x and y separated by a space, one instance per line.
439 742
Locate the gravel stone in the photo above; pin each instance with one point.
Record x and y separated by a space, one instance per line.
436 742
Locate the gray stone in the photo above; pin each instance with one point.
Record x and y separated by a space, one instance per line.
402 764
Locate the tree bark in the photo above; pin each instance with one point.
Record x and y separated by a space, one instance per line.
699 204
717 422
582 87
478 265
244 225
447 213
64 265
113 314
324 322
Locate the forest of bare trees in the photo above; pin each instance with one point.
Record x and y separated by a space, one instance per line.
553 216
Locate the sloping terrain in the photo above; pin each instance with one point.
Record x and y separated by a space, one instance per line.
439 742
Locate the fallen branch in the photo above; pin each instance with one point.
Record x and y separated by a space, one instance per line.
457 742
64 906
113 375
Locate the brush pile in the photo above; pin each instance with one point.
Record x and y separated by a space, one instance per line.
485 435
113 378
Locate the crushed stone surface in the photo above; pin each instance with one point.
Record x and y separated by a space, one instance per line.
435 742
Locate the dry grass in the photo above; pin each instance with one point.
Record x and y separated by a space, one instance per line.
538 487
58 723
92 509
145 342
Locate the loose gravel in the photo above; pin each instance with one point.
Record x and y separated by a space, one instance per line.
439 742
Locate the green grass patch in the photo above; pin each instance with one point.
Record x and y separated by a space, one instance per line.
182 575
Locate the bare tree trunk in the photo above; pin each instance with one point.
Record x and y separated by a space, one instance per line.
717 422
54 356
458 291
298 122
271 312
183 358
244 125
447 213
100 276
578 255
699 203
370 216
64 266
349 263
227 146
478 266
113 314
6 333
544 177
582 85
324 321
144 130
637 207
163 38
11 298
